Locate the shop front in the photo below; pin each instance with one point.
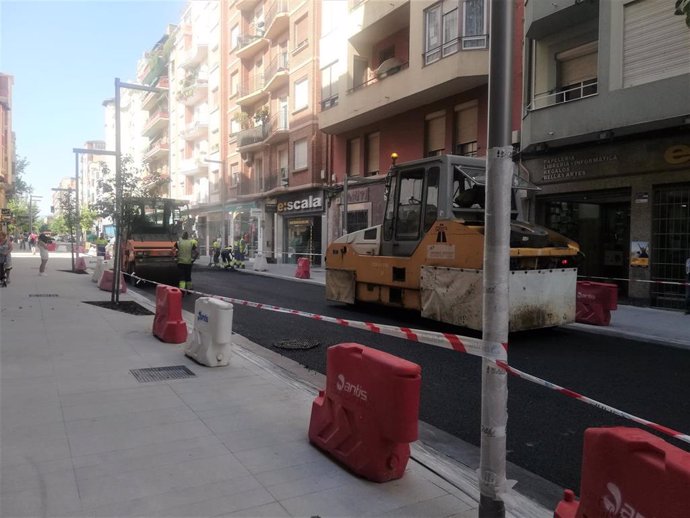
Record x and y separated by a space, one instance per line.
628 206
299 219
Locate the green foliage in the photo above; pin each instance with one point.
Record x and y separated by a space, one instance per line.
136 183
59 225
19 186
88 218
20 211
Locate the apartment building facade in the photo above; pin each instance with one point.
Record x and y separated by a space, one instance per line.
409 77
60 197
7 157
273 147
606 135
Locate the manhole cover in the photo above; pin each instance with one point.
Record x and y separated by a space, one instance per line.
126 306
43 295
297 344
175 372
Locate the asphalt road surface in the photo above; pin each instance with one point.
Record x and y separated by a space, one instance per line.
545 428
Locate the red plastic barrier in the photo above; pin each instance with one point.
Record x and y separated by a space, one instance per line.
51 247
594 302
627 472
302 271
367 416
106 281
168 324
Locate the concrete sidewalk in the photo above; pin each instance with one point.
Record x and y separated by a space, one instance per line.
659 326
82 437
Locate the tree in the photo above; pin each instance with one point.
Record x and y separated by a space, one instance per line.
136 183
19 186
88 219
20 211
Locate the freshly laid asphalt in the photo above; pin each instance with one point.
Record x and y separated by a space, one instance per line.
82 437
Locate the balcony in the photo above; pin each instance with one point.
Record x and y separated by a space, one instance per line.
195 130
277 72
250 44
246 5
196 54
252 138
195 93
151 98
252 90
277 19
157 122
371 21
157 149
388 93
278 128
194 166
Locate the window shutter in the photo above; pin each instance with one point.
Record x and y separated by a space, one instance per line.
373 153
656 43
466 124
578 64
301 32
435 134
354 157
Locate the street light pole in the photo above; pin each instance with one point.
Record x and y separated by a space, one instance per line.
115 293
70 217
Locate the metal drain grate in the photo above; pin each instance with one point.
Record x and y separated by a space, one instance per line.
43 295
175 372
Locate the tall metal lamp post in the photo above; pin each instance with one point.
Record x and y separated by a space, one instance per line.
115 293
83 151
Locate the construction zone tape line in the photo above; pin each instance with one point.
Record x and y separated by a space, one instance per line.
475 346
671 283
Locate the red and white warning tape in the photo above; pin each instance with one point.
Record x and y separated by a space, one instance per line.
475 346
593 402
669 283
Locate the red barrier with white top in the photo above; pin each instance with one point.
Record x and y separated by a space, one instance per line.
595 301
367 416
303 271
627 472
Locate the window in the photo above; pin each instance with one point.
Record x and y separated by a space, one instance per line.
329 10
435 134
373 153
357 220
410 205
474 25
301 94
466 119
353 157
234 84
329 86
450 32
432 41
655 45
234 37
234 173
301 33
300 154
577 72
235 127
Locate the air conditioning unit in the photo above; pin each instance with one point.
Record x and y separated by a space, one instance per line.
388 68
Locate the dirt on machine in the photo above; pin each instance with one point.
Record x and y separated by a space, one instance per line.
428 253
151 229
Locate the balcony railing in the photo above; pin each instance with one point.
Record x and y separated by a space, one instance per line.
564 94
155 120
380 77
157 148
277 64
252 136
255 83
279 7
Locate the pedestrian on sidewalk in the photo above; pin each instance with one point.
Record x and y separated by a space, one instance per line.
101 243
43 241
4 252
687 286
186 254
32 242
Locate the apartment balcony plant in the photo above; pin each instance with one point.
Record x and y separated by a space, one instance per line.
252 138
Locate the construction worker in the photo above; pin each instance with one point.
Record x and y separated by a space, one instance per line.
226 256
238 252
101 243
186 254
215 250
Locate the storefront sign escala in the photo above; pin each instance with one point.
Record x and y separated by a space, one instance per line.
310 203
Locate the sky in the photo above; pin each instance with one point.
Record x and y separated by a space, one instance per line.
64 57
